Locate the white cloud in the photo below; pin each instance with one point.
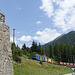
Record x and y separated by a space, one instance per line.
38 22
47 7
25 38
41 36
46 35
63 16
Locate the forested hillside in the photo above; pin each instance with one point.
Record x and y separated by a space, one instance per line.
69 38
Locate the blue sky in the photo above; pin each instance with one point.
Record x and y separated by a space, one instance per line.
39 20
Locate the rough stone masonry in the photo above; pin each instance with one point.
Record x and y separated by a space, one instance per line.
6 62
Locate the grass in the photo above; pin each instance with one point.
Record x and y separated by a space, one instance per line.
32 67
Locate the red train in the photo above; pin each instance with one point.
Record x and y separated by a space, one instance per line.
44 59
65 64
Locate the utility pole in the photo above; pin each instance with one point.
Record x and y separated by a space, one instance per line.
14 47
13 40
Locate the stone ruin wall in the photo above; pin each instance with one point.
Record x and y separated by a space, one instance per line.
6 62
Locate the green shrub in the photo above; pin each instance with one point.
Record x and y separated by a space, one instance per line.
29 56
41 62
17 59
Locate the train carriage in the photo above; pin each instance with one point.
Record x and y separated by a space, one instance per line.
61 63
64 63
40 58
36 57
71 64
43 59
48 60
68 63
52 61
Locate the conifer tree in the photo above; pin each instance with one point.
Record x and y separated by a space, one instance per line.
40 49
51 51
47 52
24 49
34 47
57 52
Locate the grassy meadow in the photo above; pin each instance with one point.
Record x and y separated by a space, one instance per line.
32 67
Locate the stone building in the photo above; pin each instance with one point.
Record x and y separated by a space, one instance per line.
6 62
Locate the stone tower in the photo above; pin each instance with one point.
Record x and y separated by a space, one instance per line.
6 62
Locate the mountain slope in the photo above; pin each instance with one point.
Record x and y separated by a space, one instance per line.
69 37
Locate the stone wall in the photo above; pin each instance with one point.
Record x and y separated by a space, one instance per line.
6 62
